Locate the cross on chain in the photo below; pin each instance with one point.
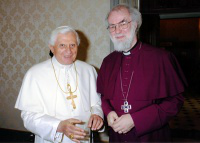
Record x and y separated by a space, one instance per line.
126 107
71 96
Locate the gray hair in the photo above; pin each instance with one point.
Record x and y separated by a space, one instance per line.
62 30
135 14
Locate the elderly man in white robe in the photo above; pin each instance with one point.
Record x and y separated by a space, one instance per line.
58 98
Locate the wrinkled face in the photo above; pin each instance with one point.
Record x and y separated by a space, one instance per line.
121 38
116 17
65 48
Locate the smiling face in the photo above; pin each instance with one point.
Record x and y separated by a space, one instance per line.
116 17
65 48
122 39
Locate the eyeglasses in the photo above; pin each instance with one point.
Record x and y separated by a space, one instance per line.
122 25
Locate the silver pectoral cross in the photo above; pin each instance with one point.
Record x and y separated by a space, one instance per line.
126 107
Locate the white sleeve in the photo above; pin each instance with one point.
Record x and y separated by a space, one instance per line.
58 137
95 97
42 125
96 109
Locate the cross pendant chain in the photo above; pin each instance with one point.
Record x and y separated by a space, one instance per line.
71 96
126 107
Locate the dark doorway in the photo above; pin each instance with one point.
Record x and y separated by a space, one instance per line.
175 26
182 37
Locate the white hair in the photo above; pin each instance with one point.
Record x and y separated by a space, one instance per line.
62 30
135 14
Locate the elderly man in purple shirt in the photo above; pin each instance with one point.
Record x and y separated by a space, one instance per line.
141 85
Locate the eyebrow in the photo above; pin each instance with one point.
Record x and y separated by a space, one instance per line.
118 22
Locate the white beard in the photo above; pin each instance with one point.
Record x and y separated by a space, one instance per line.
126 45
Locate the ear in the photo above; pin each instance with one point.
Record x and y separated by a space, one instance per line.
51 48
135 24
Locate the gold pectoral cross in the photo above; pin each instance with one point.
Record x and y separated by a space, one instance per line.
71 96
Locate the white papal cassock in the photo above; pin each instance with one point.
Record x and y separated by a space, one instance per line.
44 105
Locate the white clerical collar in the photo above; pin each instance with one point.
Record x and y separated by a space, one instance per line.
127 53
59 65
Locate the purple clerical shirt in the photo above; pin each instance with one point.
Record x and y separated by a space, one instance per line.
154 93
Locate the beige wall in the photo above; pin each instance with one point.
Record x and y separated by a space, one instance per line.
25 26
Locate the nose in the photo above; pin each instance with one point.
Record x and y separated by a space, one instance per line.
117 29
68 50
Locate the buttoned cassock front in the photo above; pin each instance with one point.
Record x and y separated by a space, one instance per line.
44 105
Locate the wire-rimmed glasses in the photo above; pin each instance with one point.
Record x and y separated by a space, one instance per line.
122 25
